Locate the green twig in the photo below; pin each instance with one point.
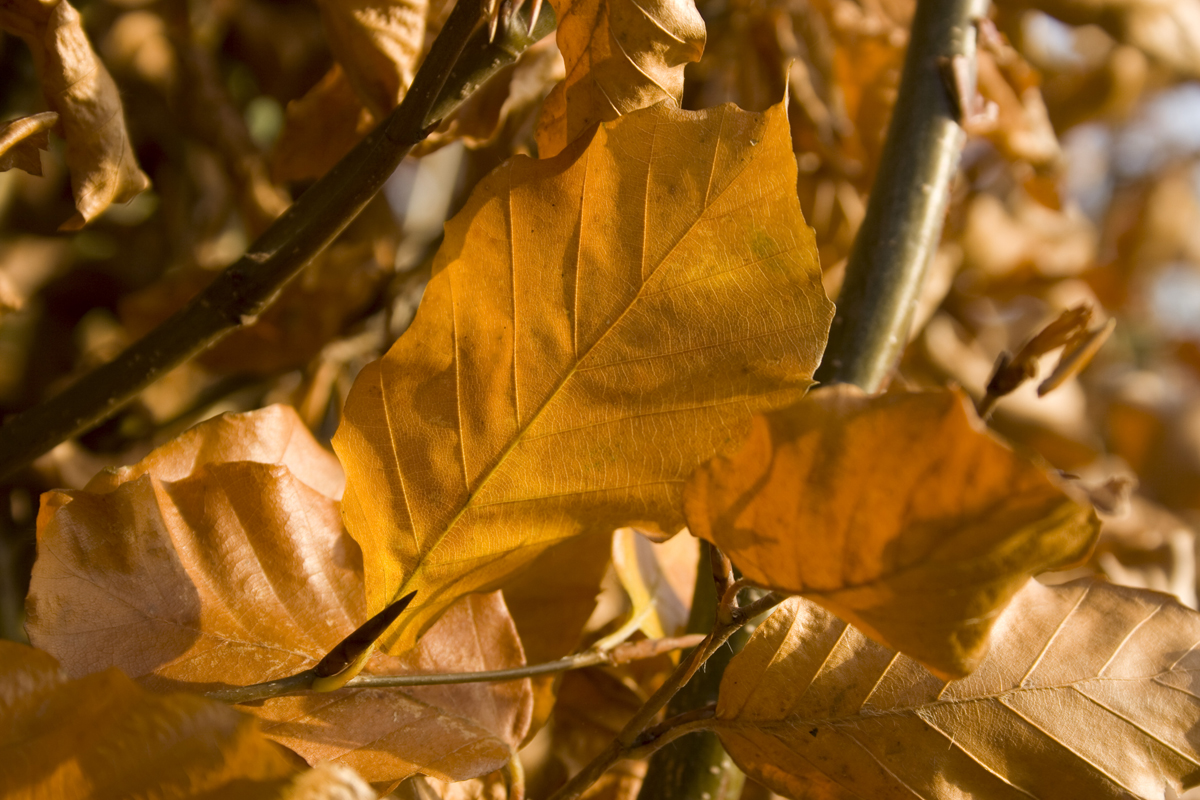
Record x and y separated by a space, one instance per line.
460 60
903 222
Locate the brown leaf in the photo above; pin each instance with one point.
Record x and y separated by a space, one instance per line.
1089 691
620 55
658 579
491 430
551 602
897 512
21 141
377 43
320 128
219 566
77 86
103 736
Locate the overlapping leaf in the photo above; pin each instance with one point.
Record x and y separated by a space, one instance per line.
103 736
896 512
558 377
21 141
212 563
1090 690
621 55
78 87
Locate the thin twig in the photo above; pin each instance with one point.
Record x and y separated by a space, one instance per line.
460 60
903 223
621 654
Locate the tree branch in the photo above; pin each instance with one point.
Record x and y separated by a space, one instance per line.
903 222
621 654
461 59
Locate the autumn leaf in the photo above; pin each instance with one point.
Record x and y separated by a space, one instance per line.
320 128
21 141
78 87
898 513
103 736
557 379
658 578
621 55
225 567
1089 691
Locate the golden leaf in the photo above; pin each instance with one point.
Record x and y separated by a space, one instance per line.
377 43
211 563
896 512
79 88
558 377
1089 691
621 55
103 736
22 139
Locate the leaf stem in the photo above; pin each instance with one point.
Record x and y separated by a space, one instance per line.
903 222
621 654
460 60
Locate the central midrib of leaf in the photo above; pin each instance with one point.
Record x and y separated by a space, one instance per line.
580 360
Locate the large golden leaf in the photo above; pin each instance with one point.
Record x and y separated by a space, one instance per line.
1090 691
621 55
78 87
103 736
220 559
899 513
559 376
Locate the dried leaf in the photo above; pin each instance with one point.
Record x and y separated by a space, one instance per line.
218 568
103 736
377 43
551 602
21 141
898 513
1089 691
320 128
77 86
557 378
658 579
620 55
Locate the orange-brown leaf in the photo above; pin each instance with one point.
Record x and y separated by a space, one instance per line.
211 563
377 43
77 86
898 513
21 141
1090 690
103 736
621 55
558 377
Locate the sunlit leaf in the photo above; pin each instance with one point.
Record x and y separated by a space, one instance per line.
558 377
211 563
621 55
103 736
898 513
78 87
23 139
1090 690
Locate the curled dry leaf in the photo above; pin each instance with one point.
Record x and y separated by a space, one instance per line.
77 86
103 736
557 378
1090 690
212 563
898 513
620 55
658 578
21 141
320 128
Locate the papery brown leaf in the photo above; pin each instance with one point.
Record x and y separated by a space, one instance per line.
212 564
103 736
76 85
557 379
320 128
898 513
23 139
550 603
620 55
377 43
658 578
1090 690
